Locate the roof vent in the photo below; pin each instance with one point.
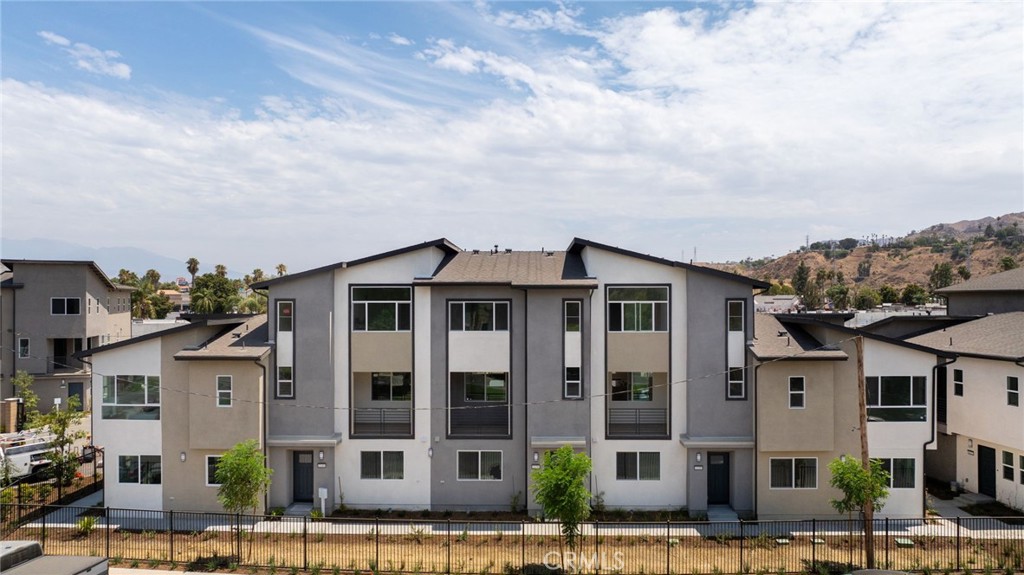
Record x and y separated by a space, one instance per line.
508 250
476 252
549 254
236 335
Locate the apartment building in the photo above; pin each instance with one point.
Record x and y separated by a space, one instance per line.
807 413
170 403
436 377
50 310
997 293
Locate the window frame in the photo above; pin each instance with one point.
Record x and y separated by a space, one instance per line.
206 470
391 385
566 315
24 351
798 393
221 392
888 463
731 319
460 324
66 300
380 455
874 386
638 466
149 382
486 386
958 382
1020 462
396 306
139 468
631 388
568 380
660 310
1007 464
792 472
736 383
290 316
1012 391
479 464
290 381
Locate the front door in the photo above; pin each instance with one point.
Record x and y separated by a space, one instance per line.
75 390
302 476
718 478
986 471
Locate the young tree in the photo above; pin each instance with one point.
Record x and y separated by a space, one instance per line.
801 279
941 276
889 294
840 296
243 477
866 298
559 488
29 400
914 294
864 491
62 424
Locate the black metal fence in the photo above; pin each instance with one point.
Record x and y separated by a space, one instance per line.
205 540
27 499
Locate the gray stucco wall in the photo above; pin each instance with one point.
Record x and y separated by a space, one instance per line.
982 303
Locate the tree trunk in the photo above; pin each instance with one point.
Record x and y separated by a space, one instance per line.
869 508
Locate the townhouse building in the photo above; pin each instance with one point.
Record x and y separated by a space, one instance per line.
996 293
980 418
807 413
170 403
50 310
436 377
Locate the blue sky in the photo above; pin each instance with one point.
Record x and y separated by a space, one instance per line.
251 133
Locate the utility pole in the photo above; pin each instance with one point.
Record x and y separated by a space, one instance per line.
869 505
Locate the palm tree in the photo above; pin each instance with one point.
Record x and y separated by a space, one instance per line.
281 269
193 268
220 269
202 302
257 275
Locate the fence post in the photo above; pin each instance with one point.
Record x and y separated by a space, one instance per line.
20 503
43 542
887 564
448 564
238 537
106 516
668 546
171 536
522 539
814 548
741 569
376 561
305 544
958 566
597 546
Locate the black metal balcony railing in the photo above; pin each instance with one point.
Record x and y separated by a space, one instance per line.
644 422
480 421
382 422
63 364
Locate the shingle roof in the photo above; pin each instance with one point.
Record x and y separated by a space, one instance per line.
246 341
1012 280
516 268
997 336
775 340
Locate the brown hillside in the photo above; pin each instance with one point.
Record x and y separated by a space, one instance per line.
904 263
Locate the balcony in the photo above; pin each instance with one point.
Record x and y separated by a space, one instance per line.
479 421
63 364
644 422
382 422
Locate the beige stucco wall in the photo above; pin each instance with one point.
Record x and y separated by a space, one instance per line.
219 428
382 351
783 428
638 352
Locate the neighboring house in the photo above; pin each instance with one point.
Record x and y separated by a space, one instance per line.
981 415
433 377
169 403
996 293
49 310
807 413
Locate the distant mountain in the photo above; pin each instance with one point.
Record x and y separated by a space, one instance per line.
110 260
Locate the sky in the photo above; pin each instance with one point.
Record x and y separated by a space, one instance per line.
257 133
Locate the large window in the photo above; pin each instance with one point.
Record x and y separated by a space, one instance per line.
391 387
478 316
486 386
635 386
382 465
642 465
797 392
794 473
638 309
212 461
65 306
23 348
144 469
285 316
131 397
285 383
897 398
736 315
381 309
901 472
1012 391
958 382
224 390
479 465
573 382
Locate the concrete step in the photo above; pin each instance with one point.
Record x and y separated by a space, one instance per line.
721 513
965 499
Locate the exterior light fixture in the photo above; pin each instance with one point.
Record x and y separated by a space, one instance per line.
321 455
182 456
536 457
430 452
699 457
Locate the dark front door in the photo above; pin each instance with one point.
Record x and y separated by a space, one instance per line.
986 471
718 478
302 476
75 390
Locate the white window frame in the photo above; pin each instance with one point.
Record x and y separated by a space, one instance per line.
24 348
290 381
66 300
736 376
638 304
578 315
1007 465
795 393
395 303
223 394
887 463
638 466
147 381
577 381
792 473
206 470
479 464
291 315
380 461
461 306
958 382
730 317
1012 391
1020 462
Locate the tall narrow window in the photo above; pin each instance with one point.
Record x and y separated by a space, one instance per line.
572 349
573 385
224 391
737 383
284 316
23 348
212 461
736 315
797 393
958 382
1007 465
572 316
1012 391
284 382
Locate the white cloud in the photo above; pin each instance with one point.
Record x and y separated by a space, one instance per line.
736 133
90 59
400 40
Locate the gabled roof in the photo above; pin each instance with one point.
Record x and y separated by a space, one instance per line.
999 336
578 244
440 243
512 268
812 320
1012 280
774 340
10 264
